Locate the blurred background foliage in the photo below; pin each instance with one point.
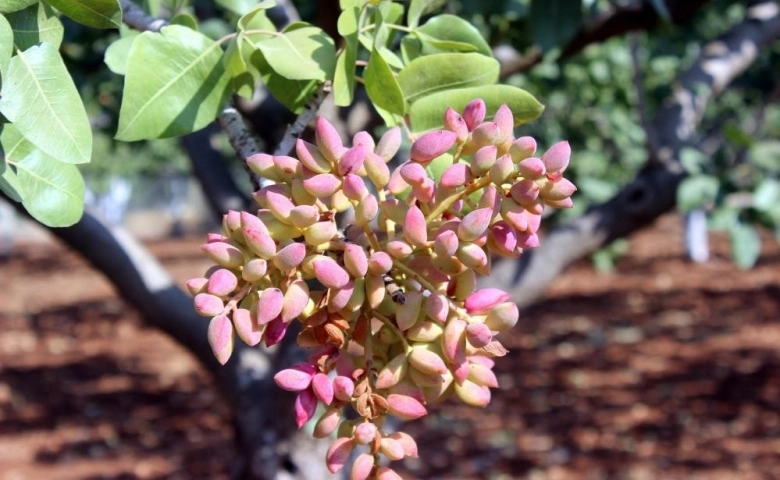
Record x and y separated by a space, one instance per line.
592 98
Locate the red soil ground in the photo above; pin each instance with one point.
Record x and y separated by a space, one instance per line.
661 369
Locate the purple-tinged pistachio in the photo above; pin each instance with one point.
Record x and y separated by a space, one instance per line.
355 260
208 305
296 378
516 216
474 113
362 467
431 145
366 210
338 454
472 394
280 205
305 407
446 243
501 170
483 159
330 273
248 220
525 192
556 159
461 370
472 256
323 388
375 290
437 308
407 313
320 233
343 388
304 216
287 167
425 192
527 240
290 256
246 328
393 372
485 134
220 337
522 148
328 140
424 332
339 297
387 473
413 173
455 123
311 157
556 191
453 341
261 196
263 165
354 187
380 263
405 406
275 331
365 433
364 139
296 298
391 449
531 168
485 299
389 144
269 305
490 198
397 185
478 334
222 282
415 228
259 242
505 121
352 160
322 185
377 170
474 224
327 423
503 238
456 175
216 237
224 254
196 285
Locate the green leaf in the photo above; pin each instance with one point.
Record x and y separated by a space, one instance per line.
382 86
10 140
444 30
554 22
745 245
8 6
301 52
696 191
293 94
186 92
446 71
766 198
427 112
185 20
117 53
418 8
35 24
39 97
152 7
92 13
344 76
766 154
6 46
237 63
411 48
256 19
242 7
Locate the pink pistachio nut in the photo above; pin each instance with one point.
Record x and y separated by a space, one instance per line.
426 361
482 375
531 168
501 170
322 185
327 423
222 282
246 327
446 243
343 388
472 394
287 167
431 145
483 159
196 285
391 449
413 173
462 285
486 134
377 170
474 224
478 334
279 204
339 298
415 228
425 331
491 198
269 305
296 378
330 273
472 255
405 406
526 240
502 317
305 407
393 372
352 160
398 249
379 263
453 343
249 220
220 337
394 209
505 121
456 175
522 148
259 242
474 113
525 191
437 307
323 388
389 144
387 473
364 139
362 467
290 256
407 443
263 165
338 454
231 221
375 289
485 299
355 260
408 312
397 185
320 232
275 331
503 238
328 140
311 157
426 191
560 204
304 216
365 433
366 210
216 237
557 191
455 123
296 297
556 159
207 305
354 187
224 254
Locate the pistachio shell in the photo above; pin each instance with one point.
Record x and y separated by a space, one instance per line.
220 337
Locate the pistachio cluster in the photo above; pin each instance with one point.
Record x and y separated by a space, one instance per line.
395 321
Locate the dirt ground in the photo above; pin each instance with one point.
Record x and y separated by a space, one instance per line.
662 369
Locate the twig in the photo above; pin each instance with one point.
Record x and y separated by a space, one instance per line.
295 129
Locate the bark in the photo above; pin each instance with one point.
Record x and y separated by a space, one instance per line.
653 191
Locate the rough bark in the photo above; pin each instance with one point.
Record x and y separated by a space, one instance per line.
653 191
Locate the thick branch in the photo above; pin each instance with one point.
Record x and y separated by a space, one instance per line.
653 192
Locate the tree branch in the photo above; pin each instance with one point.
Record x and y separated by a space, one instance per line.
653 191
